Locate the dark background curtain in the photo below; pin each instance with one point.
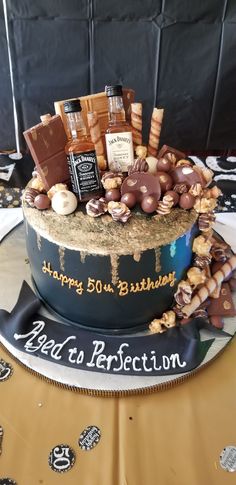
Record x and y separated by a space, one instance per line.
176 54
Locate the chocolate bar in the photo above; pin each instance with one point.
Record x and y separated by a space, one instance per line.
46 142
166 149
224 305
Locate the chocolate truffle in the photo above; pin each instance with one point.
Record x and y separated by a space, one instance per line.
186 201
129 199
112 195
164 165
187 175
165 180
64 202
42 202
149 204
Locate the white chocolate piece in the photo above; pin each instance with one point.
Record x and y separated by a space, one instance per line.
155 131
64 202
152 164
211 285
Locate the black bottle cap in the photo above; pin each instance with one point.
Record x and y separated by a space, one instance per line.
114 90
72 106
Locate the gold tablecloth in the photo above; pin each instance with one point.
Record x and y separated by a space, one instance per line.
171 437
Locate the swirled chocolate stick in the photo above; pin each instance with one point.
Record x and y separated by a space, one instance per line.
210 286
155 131
136 123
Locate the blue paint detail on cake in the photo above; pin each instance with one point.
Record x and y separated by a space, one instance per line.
173 249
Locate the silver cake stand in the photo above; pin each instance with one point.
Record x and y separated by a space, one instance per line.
14 268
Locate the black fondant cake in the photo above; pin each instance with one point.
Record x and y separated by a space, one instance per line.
108 275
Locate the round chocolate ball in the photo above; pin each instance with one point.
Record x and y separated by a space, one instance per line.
129 199
64 202
42 202
112 195
165 180
186 201
187 175
164 165
174 195
149 204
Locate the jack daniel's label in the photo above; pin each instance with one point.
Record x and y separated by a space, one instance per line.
120 152
84 173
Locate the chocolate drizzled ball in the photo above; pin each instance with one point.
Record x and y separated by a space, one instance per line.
139 165
29 196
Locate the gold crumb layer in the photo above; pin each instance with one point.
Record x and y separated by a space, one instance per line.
102 235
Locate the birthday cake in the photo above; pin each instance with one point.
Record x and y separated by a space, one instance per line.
133 255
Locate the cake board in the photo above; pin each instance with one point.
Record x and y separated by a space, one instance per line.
14 268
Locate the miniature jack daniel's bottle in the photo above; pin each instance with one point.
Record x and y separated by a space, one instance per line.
81 156
119 142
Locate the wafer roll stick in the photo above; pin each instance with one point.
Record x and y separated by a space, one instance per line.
155 131
95 132
136 123
210 286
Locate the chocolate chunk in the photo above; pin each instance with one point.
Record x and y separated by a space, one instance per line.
142 184
47 147
166 149
224 305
